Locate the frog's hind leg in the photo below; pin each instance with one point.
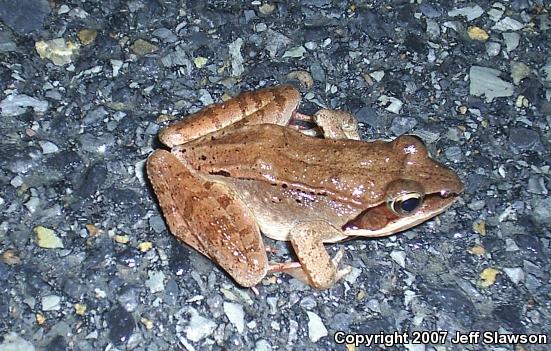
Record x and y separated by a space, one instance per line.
209 217
275 105
337 124
333 124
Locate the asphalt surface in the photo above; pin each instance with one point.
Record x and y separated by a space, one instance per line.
86 262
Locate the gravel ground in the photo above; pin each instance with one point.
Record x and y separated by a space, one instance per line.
86 262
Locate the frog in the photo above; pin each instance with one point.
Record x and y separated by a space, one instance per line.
241 168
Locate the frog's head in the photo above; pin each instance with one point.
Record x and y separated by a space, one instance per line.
420 189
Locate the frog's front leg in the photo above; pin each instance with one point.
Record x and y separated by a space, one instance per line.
316 266
209 217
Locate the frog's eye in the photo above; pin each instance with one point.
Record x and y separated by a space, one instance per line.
406 203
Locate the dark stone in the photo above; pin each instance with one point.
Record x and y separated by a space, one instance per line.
215 19
179 258
415 43
374 325
128 297
450 301
57 344
475 182
73 288
510 315
529 243
318 73
122 196
532 89
64 160
4 271
371 24
94 178
341 321
107 47
316 3
24 16
171 292
121 325
4 303
95 115
524 138
429 10
518 5
34 283
369 115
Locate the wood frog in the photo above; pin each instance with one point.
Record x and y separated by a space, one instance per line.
236 170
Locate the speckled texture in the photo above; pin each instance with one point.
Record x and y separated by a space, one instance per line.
75 137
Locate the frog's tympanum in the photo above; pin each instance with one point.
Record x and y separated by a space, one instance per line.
236 170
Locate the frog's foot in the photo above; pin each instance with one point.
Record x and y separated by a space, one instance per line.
343 272
337 124
295 269
304 124
317 267
283 267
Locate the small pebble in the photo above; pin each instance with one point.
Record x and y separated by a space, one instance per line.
262 345
477 33
142 47
199 327
296 52
235 314
469 12
515 274
493 48
48 147
46 238
399 257
487 277
519 71
156 281
512 40
60 51
316 328
51 303
237 59
508 24
485 81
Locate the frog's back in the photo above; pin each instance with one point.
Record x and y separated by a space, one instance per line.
279 155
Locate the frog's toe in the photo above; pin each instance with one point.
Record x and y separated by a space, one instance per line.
338 257
343 272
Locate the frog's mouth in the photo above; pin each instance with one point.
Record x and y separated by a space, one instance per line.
382 221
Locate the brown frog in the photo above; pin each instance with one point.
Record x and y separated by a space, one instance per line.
236 170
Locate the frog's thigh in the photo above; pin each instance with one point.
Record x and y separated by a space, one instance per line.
209 217
307 240
337 124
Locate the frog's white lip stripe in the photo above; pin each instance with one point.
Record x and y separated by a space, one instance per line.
398 225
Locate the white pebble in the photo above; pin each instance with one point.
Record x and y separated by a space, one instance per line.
48 147
316 328
51 303
235 314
